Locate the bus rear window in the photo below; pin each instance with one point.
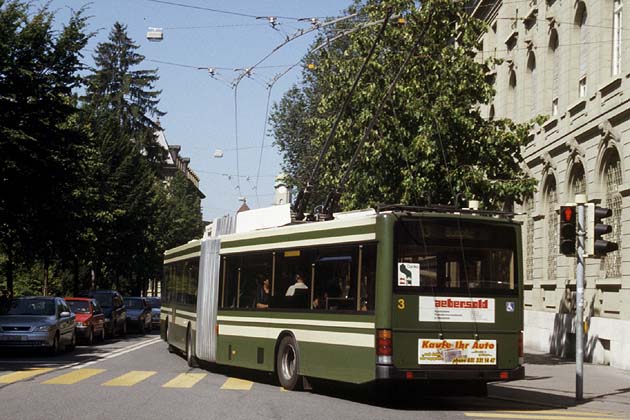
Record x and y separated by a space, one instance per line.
450 254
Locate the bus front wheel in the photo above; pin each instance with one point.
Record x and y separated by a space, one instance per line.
288 364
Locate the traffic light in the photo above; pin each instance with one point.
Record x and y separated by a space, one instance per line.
595 245
567 230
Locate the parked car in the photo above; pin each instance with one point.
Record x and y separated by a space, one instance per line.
90 319
138 314
156 306
114 309
37 321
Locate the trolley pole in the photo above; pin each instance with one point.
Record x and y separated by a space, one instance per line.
580 200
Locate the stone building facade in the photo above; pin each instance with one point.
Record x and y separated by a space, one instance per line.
570 61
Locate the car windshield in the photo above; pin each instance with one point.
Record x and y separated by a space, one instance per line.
154 302
105 300
133 303
79 306
31 307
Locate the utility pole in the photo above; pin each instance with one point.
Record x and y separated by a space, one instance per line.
580 200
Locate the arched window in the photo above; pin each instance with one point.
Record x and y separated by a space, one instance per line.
551 202
533 88
612 179
512 105
577 181
553 83
581 16
528 205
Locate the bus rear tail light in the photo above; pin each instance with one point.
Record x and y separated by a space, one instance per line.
384 347
521 352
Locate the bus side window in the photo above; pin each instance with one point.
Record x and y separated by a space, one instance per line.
368 278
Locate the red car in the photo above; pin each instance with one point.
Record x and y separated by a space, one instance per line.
90 320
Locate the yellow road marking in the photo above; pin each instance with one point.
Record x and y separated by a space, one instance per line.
185 380
10 378
573 412
74 377
536 416
130 378
237 384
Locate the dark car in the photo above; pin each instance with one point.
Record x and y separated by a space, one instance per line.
138 314
90 319
156 306
38 321
114 309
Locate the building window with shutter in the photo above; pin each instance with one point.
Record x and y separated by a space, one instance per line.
616 50
580 21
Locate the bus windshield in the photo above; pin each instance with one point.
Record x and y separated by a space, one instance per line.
451 254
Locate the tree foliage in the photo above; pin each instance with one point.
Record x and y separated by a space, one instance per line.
82 201
431 141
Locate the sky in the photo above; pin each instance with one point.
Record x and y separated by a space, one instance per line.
200 109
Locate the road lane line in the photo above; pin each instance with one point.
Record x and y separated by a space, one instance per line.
534 415
10 378
130 378
117 353
73 377
185 380
237 384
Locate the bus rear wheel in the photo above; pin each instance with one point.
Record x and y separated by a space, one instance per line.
288 364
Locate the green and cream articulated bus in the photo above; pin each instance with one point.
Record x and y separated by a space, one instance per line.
409 294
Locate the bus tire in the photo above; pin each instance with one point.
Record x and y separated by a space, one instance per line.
190 353
171 349
288 364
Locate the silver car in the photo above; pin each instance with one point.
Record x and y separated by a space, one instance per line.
37 322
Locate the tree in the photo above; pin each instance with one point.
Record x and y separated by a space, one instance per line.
430 140
117 91
180 218
40 148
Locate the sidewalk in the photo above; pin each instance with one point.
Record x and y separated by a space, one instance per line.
550 381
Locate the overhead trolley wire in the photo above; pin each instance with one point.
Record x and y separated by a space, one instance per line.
304 193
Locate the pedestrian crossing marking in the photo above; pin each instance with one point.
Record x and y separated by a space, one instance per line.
73 377
10 378
543 415
237 384
130 378
185 380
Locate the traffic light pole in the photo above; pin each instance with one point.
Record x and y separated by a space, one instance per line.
580 200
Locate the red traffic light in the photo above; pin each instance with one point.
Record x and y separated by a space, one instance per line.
568 213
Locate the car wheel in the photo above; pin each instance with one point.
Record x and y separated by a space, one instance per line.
288 364
54 348
190 356
90 339
124 328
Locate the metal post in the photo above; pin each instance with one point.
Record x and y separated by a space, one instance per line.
580 200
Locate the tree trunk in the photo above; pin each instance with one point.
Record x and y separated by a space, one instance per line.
45 276
75 276
9 270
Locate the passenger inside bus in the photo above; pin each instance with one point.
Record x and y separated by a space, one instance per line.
264 293
299 284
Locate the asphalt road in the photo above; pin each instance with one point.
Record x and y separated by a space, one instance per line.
137 378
